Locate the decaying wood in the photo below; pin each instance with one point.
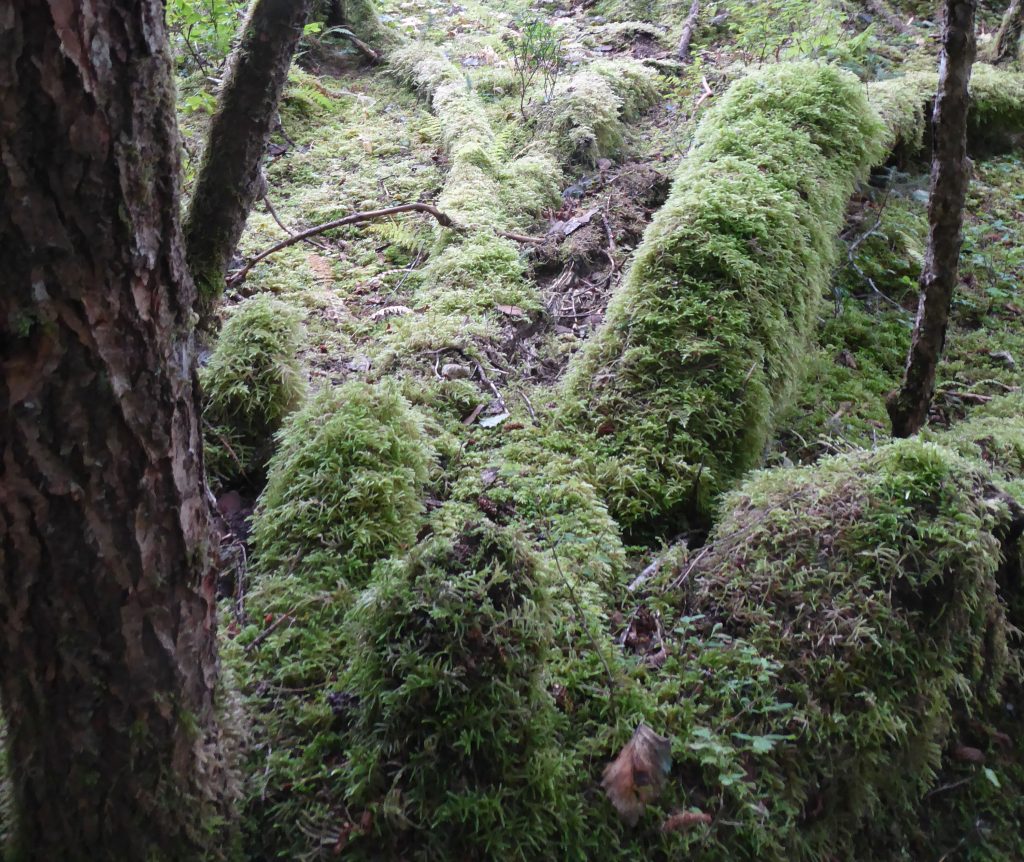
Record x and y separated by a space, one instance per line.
1007 43
908 408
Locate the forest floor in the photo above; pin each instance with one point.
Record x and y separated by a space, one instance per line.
355 137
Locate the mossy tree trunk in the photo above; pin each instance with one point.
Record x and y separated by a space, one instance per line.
108 659
1007 42
908 408
230 177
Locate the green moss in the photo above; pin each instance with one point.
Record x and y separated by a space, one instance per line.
363 19
705 338
253 380
869 582
587 117
840 405
344 487
345 490
452 738
904 103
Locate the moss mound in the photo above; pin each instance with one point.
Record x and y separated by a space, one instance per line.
253 380
871 583
997 107
589 112
452 732
705 337
344 488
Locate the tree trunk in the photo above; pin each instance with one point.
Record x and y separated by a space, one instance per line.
908 408
689 25
108 661
1007 42
230 176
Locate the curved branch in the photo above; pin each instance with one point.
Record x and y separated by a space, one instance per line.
443 219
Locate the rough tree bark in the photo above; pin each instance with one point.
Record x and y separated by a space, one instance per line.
230 176
908 407
108 662
1007 44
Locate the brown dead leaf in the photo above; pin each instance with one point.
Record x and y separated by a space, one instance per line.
637 775
684 819
511 310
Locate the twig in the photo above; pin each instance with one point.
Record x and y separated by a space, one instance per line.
443 219
521 237
689 25
708 93
372 55
488 383
645 575
529 407
285 228
269 630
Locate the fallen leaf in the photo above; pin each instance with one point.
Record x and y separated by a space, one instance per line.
684 819
636 776
574 224
511 310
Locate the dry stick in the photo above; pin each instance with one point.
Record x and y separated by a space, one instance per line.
689 25
372 55
369 215
708 92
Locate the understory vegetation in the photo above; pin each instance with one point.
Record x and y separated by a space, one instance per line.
576 528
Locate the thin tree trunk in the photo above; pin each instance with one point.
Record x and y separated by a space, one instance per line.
689 25
1007 42
908 408
108 661
230 176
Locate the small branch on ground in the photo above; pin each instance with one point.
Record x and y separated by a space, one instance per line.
689 25
285 228
364 49
444 220
707 94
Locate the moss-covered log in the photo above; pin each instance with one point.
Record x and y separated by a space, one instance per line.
677 391
996 112
453 742
871 584
345 490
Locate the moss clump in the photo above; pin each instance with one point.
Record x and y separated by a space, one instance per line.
452 734
587 117
872 581
344 488
253 380
677 392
